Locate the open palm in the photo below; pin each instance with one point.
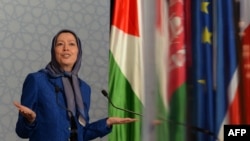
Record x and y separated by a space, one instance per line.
26 112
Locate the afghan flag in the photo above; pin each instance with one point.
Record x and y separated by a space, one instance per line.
176 70
125 69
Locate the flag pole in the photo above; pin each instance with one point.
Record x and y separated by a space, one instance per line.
148 43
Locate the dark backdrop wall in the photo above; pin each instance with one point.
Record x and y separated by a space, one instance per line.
26 30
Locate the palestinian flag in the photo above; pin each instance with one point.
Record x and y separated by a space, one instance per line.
125 69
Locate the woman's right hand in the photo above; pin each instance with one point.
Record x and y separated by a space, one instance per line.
118 120
26 112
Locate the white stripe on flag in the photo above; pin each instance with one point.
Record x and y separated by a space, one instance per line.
127 53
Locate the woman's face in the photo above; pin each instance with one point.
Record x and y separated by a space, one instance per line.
66 51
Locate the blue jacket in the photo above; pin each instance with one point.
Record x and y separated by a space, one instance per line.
45 95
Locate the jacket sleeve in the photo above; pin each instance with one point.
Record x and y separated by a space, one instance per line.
97 129
28 99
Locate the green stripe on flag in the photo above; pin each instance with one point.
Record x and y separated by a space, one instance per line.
123 96
162 128
178 114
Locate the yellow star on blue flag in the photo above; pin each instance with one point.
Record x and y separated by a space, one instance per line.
206 36
204 7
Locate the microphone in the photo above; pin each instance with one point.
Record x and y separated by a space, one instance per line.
106 95
73 133
57 89
202 130
73 122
